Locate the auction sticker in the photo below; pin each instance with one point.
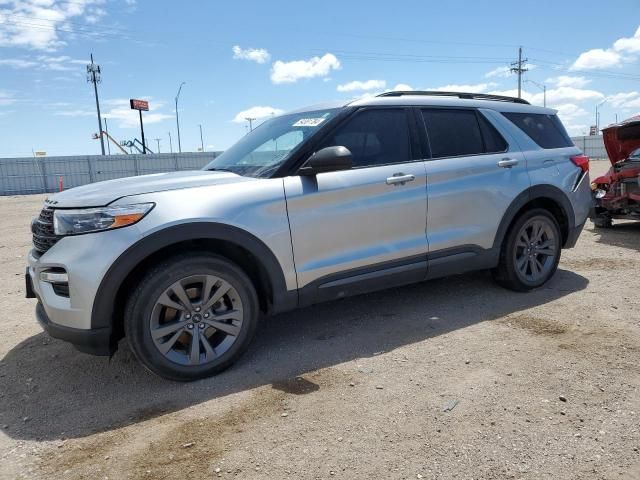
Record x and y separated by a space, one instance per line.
308 122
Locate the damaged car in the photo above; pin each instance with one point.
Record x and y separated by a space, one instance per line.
617 193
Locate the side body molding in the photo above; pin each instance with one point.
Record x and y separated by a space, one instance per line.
104 303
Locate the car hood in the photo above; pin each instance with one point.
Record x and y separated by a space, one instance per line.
102 193
621 139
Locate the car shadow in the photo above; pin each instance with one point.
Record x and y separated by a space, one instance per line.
625 234
51 391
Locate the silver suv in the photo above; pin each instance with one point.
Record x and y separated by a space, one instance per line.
318 204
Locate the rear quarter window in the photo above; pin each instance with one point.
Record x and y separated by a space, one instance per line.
545 130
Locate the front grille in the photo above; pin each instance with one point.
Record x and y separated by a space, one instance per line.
44 236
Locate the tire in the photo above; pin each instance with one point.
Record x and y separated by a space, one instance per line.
521 261
602 221
177 326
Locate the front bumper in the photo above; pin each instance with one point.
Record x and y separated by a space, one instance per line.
95 341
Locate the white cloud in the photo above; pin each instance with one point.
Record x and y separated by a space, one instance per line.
562 94
290 72
622 51
628 45
40 24
402 87
568 81
256 112
622 99
471 88
258 55
570 111
502 72
596 58
121 112
359 85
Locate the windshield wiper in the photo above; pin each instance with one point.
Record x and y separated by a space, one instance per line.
220 170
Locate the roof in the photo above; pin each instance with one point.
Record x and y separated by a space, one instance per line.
437 99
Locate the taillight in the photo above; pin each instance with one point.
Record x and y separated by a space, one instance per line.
581 161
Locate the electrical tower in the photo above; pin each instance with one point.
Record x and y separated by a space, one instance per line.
519 68
93 76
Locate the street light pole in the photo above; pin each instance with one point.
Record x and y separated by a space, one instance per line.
158 143
201 140
178 118
170 143
598 115
250 120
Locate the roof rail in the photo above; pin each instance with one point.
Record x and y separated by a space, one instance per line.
464 95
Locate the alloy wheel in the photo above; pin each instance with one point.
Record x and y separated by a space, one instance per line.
196 320
536 249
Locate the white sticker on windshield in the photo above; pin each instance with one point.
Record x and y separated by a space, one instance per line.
308 122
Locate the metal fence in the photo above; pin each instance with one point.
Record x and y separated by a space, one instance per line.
20 176
592 146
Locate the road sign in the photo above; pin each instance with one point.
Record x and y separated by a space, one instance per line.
141 105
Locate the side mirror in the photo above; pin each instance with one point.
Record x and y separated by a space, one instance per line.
329 159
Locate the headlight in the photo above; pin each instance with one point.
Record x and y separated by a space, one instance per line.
599 193
85 220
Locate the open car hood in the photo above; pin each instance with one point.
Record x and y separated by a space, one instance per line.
622 138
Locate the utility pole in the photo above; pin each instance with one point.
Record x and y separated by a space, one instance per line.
201 141
158 143
518 67
94 76
178 118
250 120
170 143
106 130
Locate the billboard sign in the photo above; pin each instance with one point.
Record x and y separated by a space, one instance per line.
142 105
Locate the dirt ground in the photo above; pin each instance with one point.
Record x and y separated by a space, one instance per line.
547 384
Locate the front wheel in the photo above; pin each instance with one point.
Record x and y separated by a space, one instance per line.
531 252
191 317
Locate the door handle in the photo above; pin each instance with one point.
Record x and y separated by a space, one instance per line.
507 162
400 179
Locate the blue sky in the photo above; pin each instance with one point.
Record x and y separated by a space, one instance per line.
252 58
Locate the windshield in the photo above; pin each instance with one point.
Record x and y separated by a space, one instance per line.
263 150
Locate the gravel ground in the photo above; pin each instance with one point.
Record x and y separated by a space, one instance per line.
546 384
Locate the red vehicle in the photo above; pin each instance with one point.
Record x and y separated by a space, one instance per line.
617 193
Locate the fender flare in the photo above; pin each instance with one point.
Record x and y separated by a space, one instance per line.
103 304
532 193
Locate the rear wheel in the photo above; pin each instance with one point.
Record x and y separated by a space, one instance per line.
531 251
191 317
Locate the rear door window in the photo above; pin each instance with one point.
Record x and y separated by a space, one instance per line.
459 132
545 130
